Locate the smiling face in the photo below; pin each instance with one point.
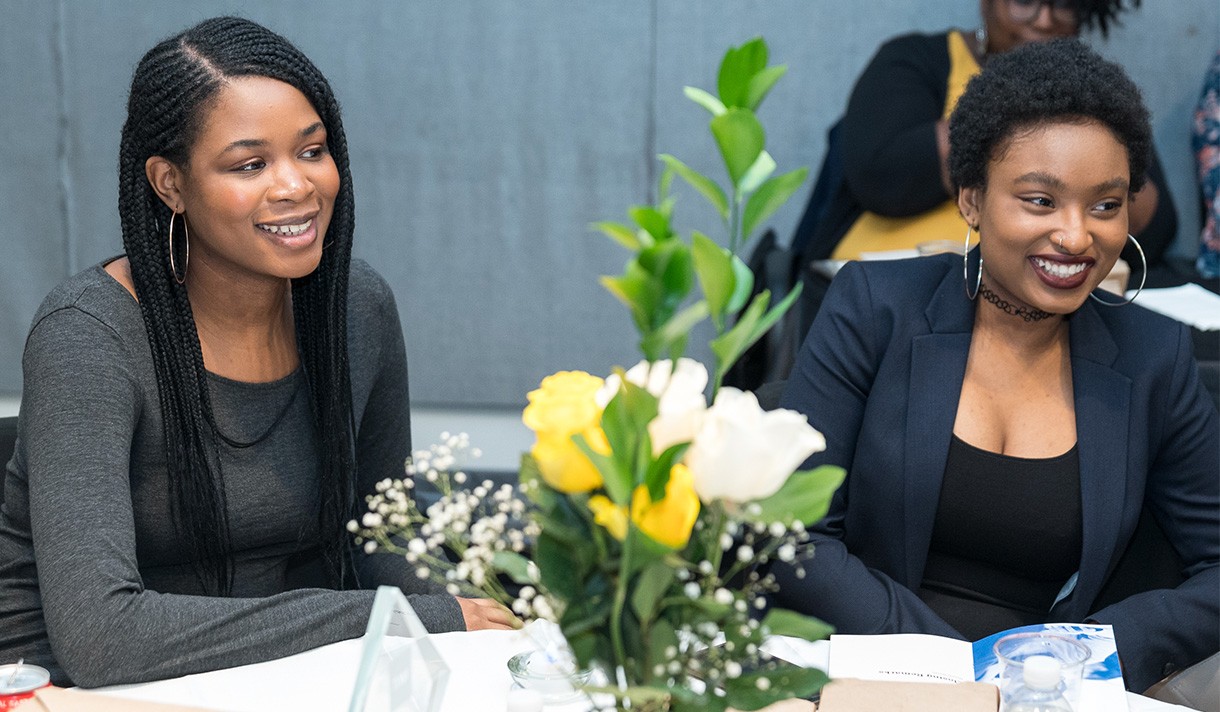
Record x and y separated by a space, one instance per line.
1052 218
259 185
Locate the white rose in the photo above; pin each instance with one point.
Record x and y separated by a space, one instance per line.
742 453
681 404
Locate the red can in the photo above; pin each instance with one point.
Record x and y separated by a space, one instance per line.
19 682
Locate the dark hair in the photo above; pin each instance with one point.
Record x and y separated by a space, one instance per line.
1040 83
1101 13
172 89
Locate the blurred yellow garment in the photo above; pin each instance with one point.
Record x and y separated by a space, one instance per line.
876 233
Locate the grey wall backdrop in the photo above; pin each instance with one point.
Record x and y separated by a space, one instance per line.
485 136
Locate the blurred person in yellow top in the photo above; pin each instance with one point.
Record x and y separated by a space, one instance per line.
895 138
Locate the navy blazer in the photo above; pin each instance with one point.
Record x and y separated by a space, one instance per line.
880 375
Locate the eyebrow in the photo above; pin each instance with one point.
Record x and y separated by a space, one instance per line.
1052 182
258 142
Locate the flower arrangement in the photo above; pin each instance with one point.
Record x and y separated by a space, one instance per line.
652 515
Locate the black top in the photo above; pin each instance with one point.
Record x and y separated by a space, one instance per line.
1006 539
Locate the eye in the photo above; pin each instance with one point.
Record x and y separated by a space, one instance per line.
1040 201
250 166
1109 205
314 152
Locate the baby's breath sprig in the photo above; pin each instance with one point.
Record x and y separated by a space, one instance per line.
465 538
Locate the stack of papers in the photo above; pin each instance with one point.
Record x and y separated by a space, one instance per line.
1189 304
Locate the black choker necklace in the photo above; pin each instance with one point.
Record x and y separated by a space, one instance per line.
1026 314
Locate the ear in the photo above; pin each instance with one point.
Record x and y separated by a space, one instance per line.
969 201
166 179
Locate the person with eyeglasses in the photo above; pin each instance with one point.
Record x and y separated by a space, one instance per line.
894 137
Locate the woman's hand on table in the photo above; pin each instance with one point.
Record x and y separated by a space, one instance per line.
486 614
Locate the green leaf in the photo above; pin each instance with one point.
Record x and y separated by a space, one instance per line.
615 478
714 106
675 330
787 680
706 186
531 482
762 168
658 472
769 197
781 621
559 573
804 497
743 284
516 566
761 83
664 182
729 346
714 267
639 290
625 423
740 138
652 220
620 233
753 323
650 587
739 65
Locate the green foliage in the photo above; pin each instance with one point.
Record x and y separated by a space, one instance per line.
804 497
663 269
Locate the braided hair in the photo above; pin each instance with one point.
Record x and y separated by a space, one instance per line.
173 87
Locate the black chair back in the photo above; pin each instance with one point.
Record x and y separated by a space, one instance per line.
8 441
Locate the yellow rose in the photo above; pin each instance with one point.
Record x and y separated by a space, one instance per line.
669 520
609 515
563 406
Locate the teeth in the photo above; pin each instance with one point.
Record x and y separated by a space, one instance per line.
290 230
1059 270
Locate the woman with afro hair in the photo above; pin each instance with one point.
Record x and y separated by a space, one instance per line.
201 416
1002 421
896 191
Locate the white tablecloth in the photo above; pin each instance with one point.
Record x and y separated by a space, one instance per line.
322 679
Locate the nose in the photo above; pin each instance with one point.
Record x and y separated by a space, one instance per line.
289 183
1073 235
1045 20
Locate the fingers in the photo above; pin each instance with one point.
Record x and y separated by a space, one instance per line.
486 614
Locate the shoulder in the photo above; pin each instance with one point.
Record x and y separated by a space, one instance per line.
925 49
366 286
1144 337
93 297
372 312
906 284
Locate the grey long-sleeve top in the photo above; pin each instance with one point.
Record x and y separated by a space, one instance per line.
113 597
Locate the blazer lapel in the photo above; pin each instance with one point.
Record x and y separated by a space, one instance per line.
1103 405
938 366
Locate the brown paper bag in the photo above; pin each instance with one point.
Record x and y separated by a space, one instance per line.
847 695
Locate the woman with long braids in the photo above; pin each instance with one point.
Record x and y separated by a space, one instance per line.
1002 421
201 416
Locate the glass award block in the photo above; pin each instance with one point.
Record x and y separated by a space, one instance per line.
405 676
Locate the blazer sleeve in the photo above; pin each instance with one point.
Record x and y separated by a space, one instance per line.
890 158
1161 631
832 385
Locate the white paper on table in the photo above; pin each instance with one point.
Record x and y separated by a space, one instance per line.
889 657
1189 304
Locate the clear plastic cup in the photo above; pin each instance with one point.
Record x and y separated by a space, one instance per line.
1013 650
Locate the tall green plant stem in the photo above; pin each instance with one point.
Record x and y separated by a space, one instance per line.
620 601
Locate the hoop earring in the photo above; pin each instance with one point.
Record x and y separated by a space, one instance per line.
978 280
173 267
1143 278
